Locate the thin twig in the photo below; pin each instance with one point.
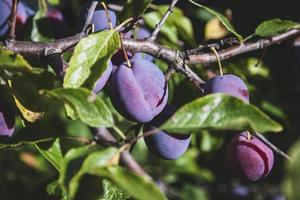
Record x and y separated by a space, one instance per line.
272 146
131 163
147 134
107 15
90 16
169 73
103 136
12 33
162 21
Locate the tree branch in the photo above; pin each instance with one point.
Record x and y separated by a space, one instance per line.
272 146
12 32
178 60
105 138
89 16
162 21
243 48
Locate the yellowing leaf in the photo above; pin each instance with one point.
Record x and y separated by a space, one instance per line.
214 29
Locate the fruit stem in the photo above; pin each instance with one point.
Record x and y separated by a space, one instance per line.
272 146
124 52
249 135
219 61
107 15
119 132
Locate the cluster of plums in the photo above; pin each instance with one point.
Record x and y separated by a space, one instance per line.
247 156
140 92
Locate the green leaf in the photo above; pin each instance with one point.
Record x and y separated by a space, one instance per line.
98 159
134 8
22 139
275 26
103 164
90 108
111 192
222 18
71 164
52 154
176 25
292 176
13 62
54 2
187 165
90 59
219 112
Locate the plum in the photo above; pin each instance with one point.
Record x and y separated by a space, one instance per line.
23 13
139 92
7 120
165 145
99 19
54 24
142 34
5 9
101 82
229 84
250 159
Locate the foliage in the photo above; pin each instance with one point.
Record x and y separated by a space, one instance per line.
53 153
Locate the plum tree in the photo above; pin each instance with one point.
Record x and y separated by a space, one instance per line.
229 84
7 120
23 13
250 159
139 92
101 82
99 19
165 145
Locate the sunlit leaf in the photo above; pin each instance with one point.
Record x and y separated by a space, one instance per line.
219 112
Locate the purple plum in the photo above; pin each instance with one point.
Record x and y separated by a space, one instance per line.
7 120
55 20
249 159
165 145
229 84
23 13
101 82
99 19
139 92
142 34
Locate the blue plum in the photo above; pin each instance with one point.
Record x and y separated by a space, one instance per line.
7 120
229 84
23 13
165 145
142 34
5 9
55 20
249 159
99 19
101 82
139 92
